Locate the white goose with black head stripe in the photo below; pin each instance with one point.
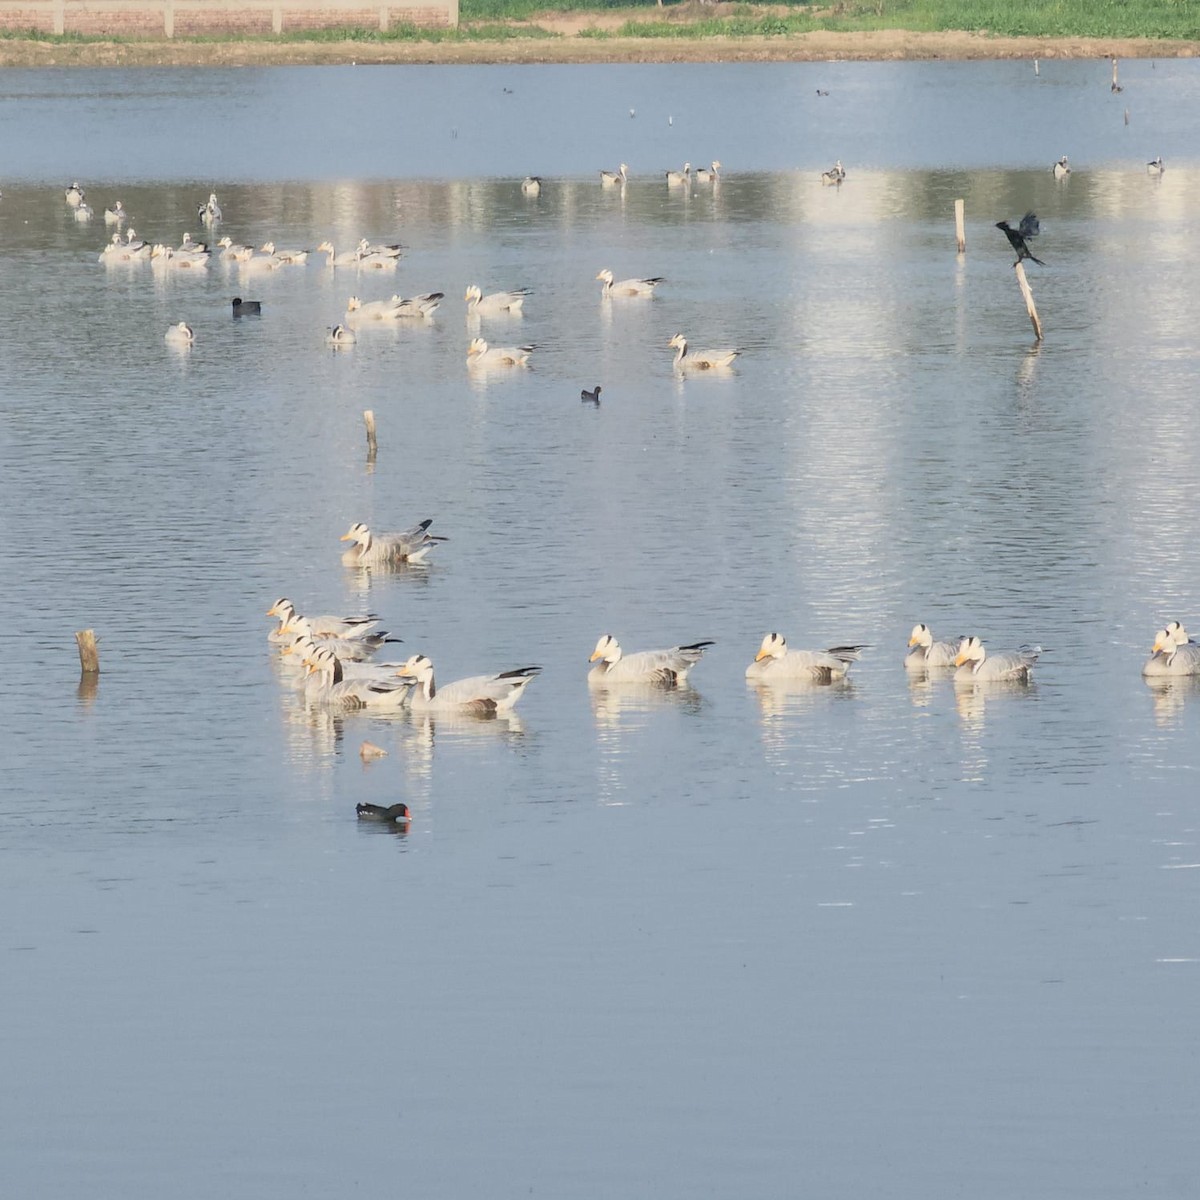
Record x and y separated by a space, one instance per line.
976 665
667 668
379 549
1172 653
925 652
774 661
479 695
334 690
324 626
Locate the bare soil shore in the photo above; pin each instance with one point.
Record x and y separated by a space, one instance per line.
884 45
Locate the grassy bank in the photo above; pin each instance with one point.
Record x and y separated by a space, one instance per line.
497 21
1007 18
591 31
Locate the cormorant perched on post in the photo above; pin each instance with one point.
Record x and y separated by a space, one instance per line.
1029 227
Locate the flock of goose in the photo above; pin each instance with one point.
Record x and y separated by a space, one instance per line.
335 653
125 246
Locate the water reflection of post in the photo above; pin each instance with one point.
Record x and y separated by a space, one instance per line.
372 444
1027 372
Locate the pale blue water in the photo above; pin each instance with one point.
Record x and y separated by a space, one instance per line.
889 938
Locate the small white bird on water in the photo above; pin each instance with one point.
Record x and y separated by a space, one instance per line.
617 178
180 335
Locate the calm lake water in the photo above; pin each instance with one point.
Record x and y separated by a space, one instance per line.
889 938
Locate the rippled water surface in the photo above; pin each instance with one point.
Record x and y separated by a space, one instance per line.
890 937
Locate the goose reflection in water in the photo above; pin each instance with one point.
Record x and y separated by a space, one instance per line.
793 697
971 699
314 735
1170 695
619 707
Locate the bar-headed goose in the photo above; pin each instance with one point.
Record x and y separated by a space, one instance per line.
287 258
180 335
384 249
975 664
1062 168
75 195
348 258
679 178
378 549
323 626
834 175
480 695
667 668
699 360
1172 653
617 178
354 666
494 302
394 309
479 353
628 287
531 185
333 690
1155 166
774 661
710 174
339 336
116 215
925 652
296 646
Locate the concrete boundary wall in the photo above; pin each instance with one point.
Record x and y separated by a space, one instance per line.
196 18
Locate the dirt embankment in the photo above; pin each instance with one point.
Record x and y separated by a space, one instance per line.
570 47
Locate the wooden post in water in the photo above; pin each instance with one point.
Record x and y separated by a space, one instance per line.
1030 307
960 228
1036 67
1127 116
372 445
1115 86
89 657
